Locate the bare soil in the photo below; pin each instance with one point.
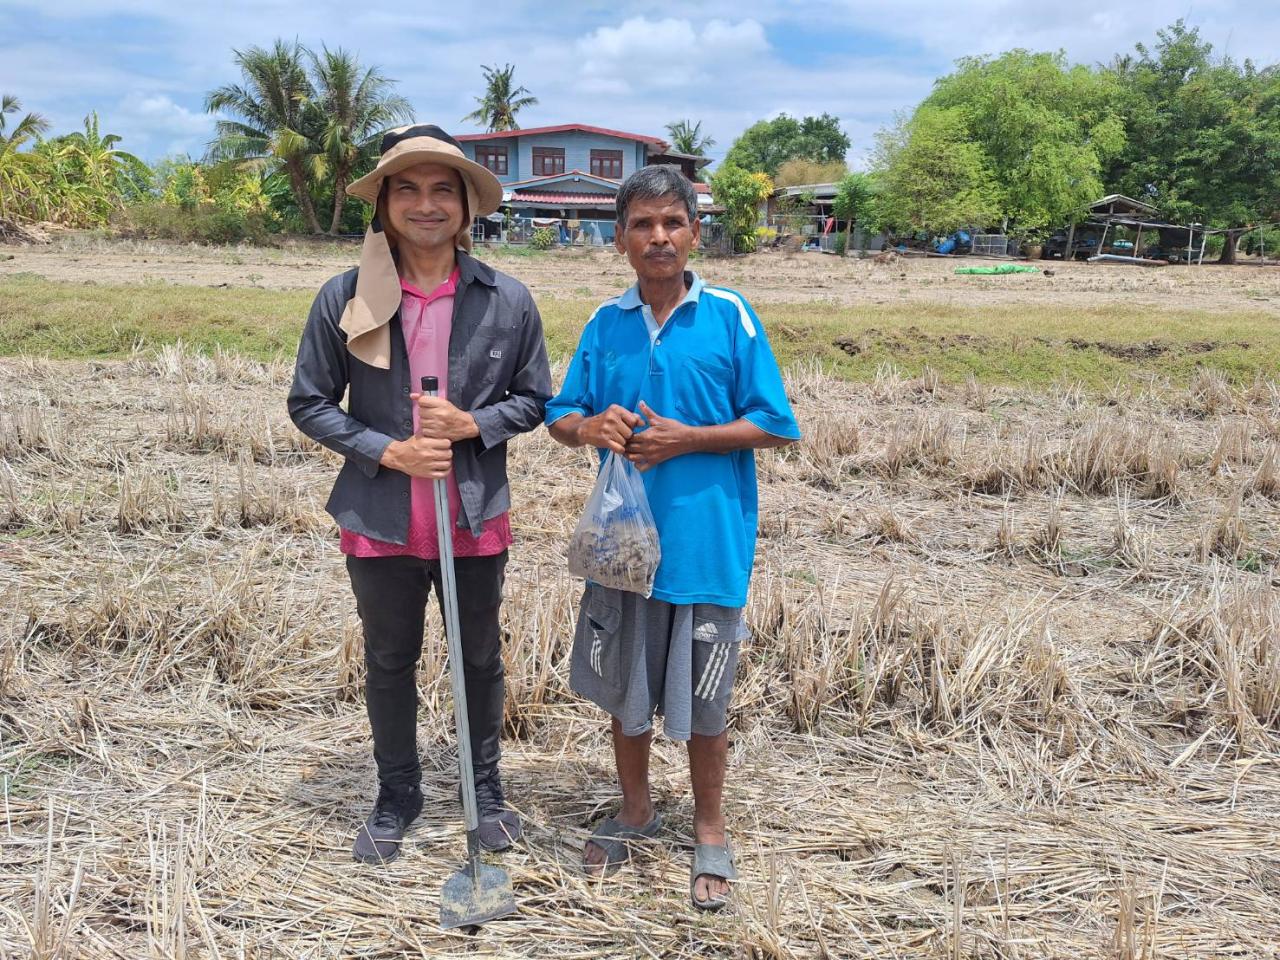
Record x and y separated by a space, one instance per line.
771 277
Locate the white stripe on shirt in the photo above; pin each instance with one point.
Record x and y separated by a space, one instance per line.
743 315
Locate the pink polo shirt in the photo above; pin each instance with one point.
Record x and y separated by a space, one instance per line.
426 320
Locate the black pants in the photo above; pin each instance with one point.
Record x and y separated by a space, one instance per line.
391 598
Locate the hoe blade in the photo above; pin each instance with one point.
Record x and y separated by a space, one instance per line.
470 899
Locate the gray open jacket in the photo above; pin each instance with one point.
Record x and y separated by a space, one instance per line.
497 370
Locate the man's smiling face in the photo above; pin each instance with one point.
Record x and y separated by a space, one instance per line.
425 205
657 237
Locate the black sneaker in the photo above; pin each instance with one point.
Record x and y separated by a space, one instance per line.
499 824
378 839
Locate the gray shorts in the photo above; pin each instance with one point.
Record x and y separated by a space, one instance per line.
634 656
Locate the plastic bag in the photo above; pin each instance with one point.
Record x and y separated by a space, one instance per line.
616 542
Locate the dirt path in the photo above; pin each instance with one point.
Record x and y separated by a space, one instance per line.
596 274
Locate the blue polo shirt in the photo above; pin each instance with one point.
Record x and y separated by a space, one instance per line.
709 364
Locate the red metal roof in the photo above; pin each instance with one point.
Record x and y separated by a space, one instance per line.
561 128
701 188
563 199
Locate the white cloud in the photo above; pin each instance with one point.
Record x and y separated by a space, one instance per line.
154 125
630 64
724 40
159 109
37 71
669 54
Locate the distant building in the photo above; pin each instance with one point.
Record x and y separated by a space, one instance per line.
572 171
1118 205
815 199
1120 226
808 210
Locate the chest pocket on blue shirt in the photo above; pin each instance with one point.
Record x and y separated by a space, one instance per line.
704 390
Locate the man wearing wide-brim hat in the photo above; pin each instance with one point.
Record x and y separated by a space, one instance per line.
420 305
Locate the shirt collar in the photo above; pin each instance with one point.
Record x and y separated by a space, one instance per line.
446 289
472 270
631 299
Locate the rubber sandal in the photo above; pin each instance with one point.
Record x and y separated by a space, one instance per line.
711 860
611 836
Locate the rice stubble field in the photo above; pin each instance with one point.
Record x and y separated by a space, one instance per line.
1012 687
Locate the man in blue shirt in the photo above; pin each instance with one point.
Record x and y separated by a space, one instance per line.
677 377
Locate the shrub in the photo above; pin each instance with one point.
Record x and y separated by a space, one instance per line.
799 172
741 193
205 223
1253 244
543 238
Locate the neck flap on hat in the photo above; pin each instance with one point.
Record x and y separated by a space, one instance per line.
377 297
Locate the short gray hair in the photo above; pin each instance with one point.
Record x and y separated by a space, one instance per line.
652 183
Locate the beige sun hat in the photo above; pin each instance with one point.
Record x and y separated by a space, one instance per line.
408 146
377 295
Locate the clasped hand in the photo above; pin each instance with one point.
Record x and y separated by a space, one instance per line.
429 452
438 419
618 429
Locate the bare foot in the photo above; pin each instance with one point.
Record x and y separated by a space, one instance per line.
593 855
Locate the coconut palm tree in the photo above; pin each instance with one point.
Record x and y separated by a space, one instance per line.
19 195
687 137
501 102
353 108
271 111
28 128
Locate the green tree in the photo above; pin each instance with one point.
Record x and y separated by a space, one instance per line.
82 178
28 128
933 177
353 107
798 172
765 145
241 190
19 188
854 196
270 126
502 100
105 172
180 182
854 203
1046 129
1203 134
741 192
687 137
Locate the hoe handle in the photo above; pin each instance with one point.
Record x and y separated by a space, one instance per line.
453 636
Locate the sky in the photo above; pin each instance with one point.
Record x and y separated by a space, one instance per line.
146 65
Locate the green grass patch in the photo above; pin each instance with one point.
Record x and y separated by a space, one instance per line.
67 320
1032 345
25 776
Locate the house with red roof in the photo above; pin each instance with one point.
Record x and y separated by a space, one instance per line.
572 171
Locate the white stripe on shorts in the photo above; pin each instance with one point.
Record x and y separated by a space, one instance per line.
715 684
714 665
